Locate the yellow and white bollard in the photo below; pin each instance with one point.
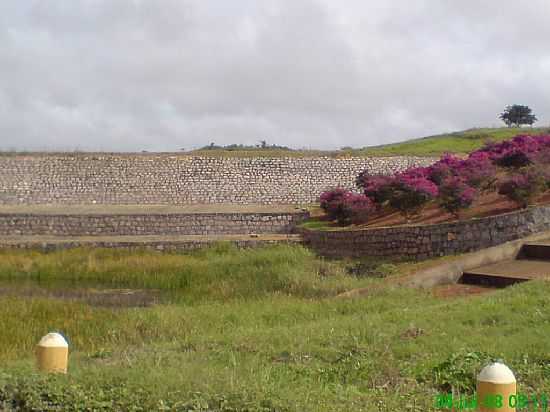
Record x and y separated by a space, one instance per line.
496 389
52 353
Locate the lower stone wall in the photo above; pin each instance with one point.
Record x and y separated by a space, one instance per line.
149 224
425 241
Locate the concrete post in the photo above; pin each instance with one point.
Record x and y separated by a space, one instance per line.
496 389
52 353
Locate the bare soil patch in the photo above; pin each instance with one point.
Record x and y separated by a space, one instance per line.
113 298
489 204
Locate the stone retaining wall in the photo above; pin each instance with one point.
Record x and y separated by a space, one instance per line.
426 241
180 179
148 224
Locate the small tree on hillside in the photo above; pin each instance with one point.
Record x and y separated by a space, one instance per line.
518 115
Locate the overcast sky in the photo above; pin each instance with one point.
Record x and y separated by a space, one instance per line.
161 75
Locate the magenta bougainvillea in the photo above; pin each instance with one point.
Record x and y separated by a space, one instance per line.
455 195
345 206
406 192
515 152
447 166
357 208
455 182
378 188
523 186
477 170
541 163
412 190
331 201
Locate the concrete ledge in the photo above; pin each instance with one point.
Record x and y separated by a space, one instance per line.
450 272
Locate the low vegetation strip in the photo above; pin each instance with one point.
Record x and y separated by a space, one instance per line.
454 142
158 243
258 330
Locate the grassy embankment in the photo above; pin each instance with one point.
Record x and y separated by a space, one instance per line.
258 330
456 142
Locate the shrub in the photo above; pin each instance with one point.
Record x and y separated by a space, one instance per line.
331 201
345 206
515 152
513 159
377 187
447 166
411 191
477 170
541 163
357 208
455 195
523 186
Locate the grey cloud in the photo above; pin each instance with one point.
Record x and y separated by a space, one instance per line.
133 75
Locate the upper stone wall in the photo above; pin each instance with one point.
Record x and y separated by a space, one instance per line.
180 179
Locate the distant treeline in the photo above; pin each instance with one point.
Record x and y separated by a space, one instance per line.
236 147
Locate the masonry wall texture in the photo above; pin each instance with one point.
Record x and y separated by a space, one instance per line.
22 224
180 179
423 242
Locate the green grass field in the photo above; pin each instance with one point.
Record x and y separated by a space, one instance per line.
457 142
257 330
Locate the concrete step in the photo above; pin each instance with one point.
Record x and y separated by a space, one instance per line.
507 272
168 243
536 250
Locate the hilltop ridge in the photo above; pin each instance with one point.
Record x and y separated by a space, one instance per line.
454 142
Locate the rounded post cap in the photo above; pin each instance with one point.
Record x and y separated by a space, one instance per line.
496 372
53 340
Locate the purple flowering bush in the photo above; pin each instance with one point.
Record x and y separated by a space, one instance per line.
408 191
412 190
515 153
455 195
520 166
447 166
357 208
345 206
523 186
331 201
541 163
477 170
378 188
